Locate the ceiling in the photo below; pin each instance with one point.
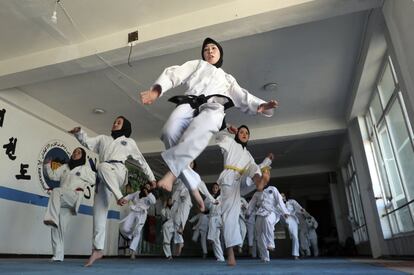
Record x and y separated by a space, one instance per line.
309 48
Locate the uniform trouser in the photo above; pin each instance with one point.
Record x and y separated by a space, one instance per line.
181 215
230 207
203 239
250 229
314 246
264 234
214 227
111 178
59 209
243 230
167 233
132 228
57 234
185 137
304 242
293 232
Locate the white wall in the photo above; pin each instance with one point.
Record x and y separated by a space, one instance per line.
22 202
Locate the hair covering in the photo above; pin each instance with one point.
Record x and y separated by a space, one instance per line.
209 40
236 138
124 131
75 163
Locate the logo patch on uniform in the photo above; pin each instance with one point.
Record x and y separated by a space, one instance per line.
270 191
124 142
77 174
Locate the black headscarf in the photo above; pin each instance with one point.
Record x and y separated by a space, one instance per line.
236 138
124 131
75 163
208 40
142 193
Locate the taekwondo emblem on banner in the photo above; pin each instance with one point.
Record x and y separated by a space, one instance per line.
58 154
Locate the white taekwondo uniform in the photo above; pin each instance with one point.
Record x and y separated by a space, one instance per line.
242 220
292 223
312 236
215 225
112 175
237 161
270 207
167 230
132 224
181 204
200 230
65 200
186 136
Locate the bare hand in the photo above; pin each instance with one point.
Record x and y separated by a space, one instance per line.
268 105
153 184
122 201
271 156
75 130
149 97
233 130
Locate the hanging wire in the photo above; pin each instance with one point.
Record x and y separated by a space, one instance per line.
75 26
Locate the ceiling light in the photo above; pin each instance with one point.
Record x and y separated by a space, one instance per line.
98 111
271 86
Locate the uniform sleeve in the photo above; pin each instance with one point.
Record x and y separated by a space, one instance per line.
278 198
245 101
137 155
55 174
194 218
265 163
253 168
131 196
252 203
88 175
314 223
151 199
203 190
297 206
174 76
224 140
244 203
92 143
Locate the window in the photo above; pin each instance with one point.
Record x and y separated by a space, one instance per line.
356 213
391 140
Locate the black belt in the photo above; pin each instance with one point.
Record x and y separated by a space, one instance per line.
196 101
114 161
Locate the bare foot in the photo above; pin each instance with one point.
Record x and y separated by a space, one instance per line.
167 181
198 199
96 255
231 260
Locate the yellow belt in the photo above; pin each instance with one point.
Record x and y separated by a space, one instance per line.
234 168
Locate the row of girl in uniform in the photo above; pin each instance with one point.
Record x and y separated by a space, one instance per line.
198 116
257 220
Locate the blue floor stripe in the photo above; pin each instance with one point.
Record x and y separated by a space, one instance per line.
38 200
191 266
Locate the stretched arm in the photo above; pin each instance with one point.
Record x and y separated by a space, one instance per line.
249 103
170 78
137 155
92 143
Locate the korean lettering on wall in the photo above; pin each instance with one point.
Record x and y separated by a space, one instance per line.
9 147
